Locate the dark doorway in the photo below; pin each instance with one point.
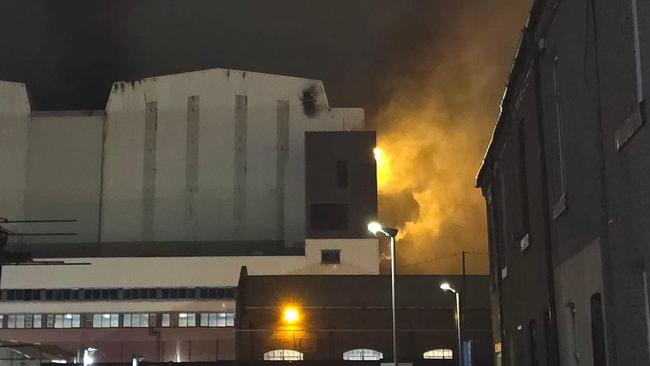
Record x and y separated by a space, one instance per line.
598 331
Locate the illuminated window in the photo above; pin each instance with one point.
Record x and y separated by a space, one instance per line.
166 320
439 354
283 355
217 320
67 321
16 321
20 321
106 321
135 320
363 354
37 321
186 320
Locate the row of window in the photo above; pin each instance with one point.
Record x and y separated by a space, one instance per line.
361 354
117 294
116 320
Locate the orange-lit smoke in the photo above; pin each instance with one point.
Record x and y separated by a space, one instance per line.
433 134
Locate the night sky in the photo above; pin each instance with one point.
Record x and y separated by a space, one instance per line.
430 74
69 52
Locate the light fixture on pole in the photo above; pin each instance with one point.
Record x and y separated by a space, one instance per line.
445 286
376 228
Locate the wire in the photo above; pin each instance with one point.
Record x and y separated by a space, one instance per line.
429 260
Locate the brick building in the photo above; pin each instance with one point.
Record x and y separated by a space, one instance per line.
566 180
349 318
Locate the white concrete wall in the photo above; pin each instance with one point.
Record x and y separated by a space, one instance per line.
60 159
14 121
124 155
64 174
358 256
576 280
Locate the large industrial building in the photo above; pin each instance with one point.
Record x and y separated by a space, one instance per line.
566 182
179 182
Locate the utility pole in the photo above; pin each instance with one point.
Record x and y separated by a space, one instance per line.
461 309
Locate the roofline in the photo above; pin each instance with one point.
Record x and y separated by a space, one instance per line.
69 113
368 275
146 78
535 24
506 93
531 24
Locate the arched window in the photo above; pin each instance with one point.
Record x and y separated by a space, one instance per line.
283 355
363 354
439 354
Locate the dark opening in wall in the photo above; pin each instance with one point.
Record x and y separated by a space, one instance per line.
308 102
342 173
330 256
598 331
328 216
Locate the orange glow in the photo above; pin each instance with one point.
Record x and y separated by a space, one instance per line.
433 133
377 153
291 314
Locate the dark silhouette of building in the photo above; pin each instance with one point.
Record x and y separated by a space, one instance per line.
343 317
566 180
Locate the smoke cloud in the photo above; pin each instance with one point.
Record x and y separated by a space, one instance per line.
429 74
433 132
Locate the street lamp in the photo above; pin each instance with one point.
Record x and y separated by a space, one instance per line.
290 314
376 228
445 286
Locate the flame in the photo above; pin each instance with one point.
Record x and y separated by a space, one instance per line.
432 135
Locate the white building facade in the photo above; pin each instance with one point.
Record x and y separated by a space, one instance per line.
177 184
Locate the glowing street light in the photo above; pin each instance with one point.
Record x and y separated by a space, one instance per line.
446 287
376 228
291 314
377 153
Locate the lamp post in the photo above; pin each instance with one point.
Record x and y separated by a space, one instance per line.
376 228
445 286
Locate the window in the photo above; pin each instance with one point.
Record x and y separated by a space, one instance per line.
342 173
16 321
208 319
283 355
21 321
2 321
330 256
523 178
329 216
165 320
532 330
135 320
363 354
647 305
439 354
598 331
500 195
227 319
67 321
558 186
187 320
106 320
38 318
